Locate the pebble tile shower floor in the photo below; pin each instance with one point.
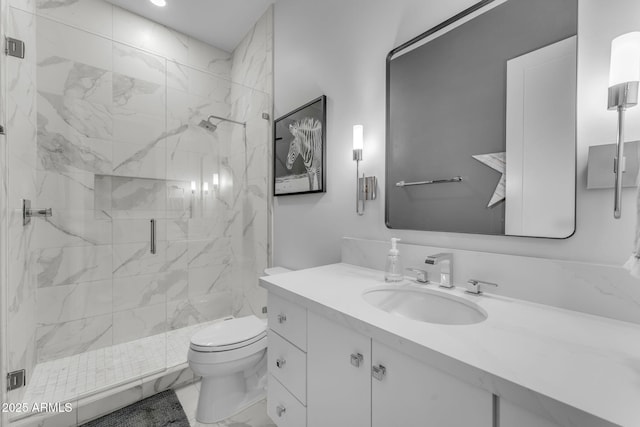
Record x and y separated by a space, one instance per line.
87 373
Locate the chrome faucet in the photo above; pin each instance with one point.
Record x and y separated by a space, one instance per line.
445 261
421 275
473 286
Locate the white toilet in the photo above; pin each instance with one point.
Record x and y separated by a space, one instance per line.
230 356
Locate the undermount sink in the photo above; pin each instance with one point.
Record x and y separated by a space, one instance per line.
425 305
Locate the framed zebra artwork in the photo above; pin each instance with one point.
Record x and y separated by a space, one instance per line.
299 150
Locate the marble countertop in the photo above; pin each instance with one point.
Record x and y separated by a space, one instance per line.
587 362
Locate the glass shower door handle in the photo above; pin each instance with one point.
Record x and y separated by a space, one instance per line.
28 213
153 236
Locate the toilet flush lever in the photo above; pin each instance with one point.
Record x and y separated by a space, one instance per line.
280 410
282 318
280 363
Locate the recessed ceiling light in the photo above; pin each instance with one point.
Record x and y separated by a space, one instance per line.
159 3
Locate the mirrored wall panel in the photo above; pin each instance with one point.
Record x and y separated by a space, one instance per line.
481 122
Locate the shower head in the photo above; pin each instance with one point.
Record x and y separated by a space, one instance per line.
211 127
206 124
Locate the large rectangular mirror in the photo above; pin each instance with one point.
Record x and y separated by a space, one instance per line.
481 122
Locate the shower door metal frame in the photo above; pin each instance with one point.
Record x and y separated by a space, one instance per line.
4 417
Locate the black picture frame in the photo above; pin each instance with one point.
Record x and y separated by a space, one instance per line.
298 176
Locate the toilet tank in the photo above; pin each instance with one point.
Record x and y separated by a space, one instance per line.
271 271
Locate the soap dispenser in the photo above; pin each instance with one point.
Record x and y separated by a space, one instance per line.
393 269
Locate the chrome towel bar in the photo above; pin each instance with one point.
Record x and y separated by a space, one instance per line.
435 181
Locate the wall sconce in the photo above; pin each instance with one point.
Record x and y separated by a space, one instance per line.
216 181
205 188
624 75
193 187
365 186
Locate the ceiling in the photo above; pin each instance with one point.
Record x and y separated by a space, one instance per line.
221 23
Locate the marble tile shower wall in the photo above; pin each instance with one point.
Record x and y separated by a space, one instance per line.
113 141
252 66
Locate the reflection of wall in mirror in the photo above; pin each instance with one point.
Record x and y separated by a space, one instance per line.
447 103
540 133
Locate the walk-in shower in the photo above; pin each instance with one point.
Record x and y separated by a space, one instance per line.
104 131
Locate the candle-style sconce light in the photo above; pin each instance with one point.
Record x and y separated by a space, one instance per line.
366 186
624 77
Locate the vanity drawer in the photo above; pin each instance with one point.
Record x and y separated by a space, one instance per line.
288 364
289 320
282 407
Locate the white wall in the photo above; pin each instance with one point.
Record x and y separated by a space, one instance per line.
338 47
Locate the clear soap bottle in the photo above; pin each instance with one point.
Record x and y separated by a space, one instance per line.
393 271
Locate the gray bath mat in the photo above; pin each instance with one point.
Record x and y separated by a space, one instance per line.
160 410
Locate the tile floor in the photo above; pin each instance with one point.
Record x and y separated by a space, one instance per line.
83 374
253 416
88 373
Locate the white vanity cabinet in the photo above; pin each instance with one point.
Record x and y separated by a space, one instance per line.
338 375
287 363
537 411
407 392
356 382
322 372
527 365
512 415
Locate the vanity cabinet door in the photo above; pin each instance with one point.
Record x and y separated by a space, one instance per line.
411 394
338 379
512 415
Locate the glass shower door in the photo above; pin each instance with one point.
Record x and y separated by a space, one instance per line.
88 296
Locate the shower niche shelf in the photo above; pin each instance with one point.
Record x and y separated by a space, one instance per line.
128 197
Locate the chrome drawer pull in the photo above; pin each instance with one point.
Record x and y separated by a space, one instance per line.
282 318
378 372
280 410
280 363
356 359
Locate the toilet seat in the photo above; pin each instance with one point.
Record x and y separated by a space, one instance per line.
218 357
227 347
229 335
